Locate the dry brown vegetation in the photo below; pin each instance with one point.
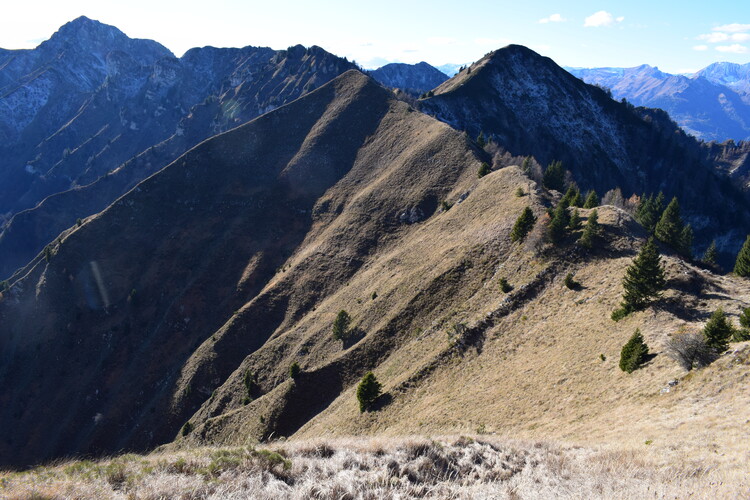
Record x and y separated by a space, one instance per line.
374 468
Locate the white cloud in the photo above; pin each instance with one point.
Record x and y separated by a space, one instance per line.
735 48
554 18
740 37
700 47
733 28
713 37
602 19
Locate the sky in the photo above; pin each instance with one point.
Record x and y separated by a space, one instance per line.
677 36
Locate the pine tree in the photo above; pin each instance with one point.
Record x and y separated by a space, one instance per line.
644 279
633 353
709 258
341 325
559 224
575 220
659 203
523 225
577 200
484 169
646 213
368 391
250 382
742 264
686 242
670 226
718 331
592 200
591 230
481 141
570 195
554 176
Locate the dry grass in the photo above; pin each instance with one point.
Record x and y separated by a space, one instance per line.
377 468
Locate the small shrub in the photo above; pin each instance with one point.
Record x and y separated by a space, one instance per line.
620 313
187 428
445 206
689 349
570 282
505 286
294 370
484 169
368 391
374 295
519 192
603 357
633 353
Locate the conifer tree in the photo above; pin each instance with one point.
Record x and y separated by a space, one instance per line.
591 230
742 264
633 353
484 169
368 391
570 195
575 220
523 225
341 325
481 141
644 279
592 200
686 242
646 213
554 176
659 203
670 226
559 224
718 331
577 200
709 258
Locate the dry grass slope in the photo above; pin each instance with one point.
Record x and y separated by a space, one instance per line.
375 468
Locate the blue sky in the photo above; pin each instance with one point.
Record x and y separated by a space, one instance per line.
676 36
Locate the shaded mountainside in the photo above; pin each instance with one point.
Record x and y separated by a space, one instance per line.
141 117
414 79
123 314
531 106
707 110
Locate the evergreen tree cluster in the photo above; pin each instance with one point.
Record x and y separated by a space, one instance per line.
554 176
633 353
590 231
665 223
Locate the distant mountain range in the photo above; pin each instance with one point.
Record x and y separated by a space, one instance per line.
712 105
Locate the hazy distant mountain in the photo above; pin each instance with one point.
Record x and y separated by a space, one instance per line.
449 69
415 79
90 113
703 108
735 76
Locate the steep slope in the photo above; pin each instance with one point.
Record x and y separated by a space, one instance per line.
109 343
414 79
531 106
156 111
707 110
